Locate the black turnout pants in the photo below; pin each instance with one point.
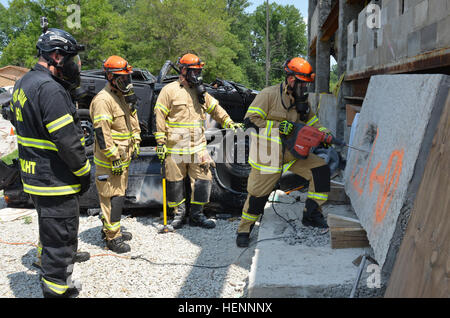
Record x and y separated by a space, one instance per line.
58 233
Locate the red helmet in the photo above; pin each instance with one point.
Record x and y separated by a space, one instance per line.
299 68
190 61
117 65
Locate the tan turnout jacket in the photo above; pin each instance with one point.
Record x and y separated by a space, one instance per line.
180 119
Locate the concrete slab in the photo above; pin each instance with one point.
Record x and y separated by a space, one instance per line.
306 269
327 111
395 127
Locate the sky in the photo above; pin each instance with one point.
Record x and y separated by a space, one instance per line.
302 5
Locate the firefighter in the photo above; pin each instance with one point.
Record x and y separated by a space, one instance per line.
180 113
117 132
271 115
53 164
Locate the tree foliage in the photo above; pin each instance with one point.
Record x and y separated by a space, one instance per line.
148 32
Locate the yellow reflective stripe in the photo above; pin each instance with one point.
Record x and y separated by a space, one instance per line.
264 167
59 289
211 108
59 123
106 164
83 141
111 152
174 124
101 163
269 126
198 203
163 108
273 139
249 217
312 121
48 191
112 227
322 129
160 134
257 110
318 196
226 123
134 112
288 165
102 117
174 204
121 136
86 168
136 135
187 150
36 143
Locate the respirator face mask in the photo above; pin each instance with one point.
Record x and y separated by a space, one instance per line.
301 98
195 79
70 68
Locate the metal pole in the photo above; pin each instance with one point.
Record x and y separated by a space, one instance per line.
361 267
267 44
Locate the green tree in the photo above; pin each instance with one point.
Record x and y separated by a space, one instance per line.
287 37
167 29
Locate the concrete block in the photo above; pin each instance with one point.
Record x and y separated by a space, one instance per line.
395 127
413 43
420 14
327 111
437 10
428 37
443 34
393 10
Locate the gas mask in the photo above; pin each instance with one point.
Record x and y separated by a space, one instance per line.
195 80
124 84
300 97
70 68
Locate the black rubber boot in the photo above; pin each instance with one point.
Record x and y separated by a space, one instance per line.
243 239
118 246
180 216
197 218
72 292
312 215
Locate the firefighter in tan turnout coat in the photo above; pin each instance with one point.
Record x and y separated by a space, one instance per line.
271 115
118 138
180 113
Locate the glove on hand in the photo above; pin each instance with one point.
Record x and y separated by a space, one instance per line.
235 126
85 182
117 167
161 151
136 151
286 127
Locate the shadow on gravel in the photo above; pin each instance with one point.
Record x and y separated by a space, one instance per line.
92 236
25 285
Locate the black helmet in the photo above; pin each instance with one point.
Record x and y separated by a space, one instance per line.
57 39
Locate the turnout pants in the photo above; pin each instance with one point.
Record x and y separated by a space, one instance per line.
200 178
111 195
261 184
58 218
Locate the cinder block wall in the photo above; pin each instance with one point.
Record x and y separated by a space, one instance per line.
408 28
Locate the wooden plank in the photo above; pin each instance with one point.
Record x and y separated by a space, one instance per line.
331 24
338 221
422 267
346 232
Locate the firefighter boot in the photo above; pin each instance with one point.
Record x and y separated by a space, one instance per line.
197 218
179 218
243 239
127 236
79 257
312 215
118 246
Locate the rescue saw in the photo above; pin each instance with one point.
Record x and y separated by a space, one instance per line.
304 137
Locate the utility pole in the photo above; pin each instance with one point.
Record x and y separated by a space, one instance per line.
267 44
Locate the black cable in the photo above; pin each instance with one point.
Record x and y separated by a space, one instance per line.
205 266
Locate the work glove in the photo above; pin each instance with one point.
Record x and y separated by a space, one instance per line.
286 127
235 126
85 182
117 167
161 151
136 151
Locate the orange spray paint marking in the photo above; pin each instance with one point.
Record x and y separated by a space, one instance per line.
359 179
388 184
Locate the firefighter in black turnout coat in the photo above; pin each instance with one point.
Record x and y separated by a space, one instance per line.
54 168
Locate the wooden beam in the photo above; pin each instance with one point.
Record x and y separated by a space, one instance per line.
346 232
312 47
331 24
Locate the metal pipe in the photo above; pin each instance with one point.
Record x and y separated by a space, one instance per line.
358 277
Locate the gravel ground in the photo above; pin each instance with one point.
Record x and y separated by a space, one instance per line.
166 272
